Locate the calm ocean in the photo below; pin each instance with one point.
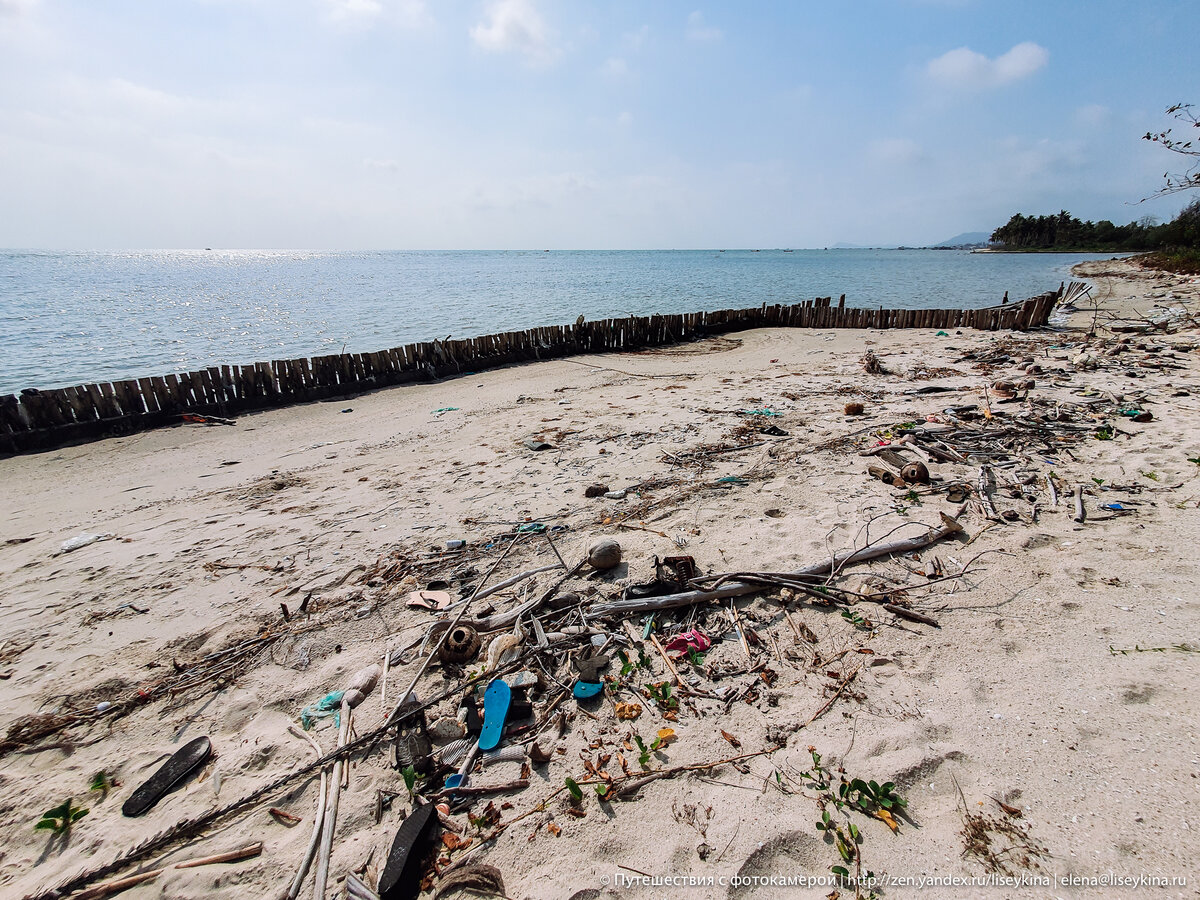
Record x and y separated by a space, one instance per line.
75 317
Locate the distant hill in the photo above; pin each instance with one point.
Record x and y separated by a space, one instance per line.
966 239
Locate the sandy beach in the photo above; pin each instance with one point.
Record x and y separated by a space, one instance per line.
1047 720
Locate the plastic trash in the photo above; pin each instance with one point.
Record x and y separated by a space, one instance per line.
688 640
83 540
328 706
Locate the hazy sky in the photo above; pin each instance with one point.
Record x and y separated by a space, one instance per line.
573 124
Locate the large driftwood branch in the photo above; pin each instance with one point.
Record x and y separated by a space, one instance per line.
738 588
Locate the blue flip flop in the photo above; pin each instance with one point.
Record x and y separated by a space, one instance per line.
496 700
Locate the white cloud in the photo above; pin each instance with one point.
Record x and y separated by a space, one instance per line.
699 30
615 67
384 165
895 151
16 7
1093 115
635 40
515 26
353 10
366 13
966 69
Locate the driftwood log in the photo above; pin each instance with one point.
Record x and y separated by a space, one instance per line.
838 561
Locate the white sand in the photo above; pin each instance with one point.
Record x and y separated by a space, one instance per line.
1016 697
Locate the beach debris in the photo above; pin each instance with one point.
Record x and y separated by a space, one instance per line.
736 584
460 646
445 729
401 875
496 700
872 365
688 641
604 554
1004 390
538 445
679 570
327 707
197 419
284 817
589 665
628 711
595 490
501 646
108 888
915 473
413 746
432 600
853 408
357 689
480 878
615 495
185 762
83 540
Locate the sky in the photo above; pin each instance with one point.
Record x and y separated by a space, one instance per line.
571 124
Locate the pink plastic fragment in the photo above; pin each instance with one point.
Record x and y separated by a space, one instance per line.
689 640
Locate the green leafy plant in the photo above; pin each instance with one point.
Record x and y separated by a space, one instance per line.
574 790
1194 459
845 796
628 666
696 658
410 778
643 752
856 619
103 783
660 693
1105 433
1153 476
1099 481
61 818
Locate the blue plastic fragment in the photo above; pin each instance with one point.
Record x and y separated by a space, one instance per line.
586 690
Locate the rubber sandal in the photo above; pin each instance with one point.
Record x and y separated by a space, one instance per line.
496 700
401 876
187 759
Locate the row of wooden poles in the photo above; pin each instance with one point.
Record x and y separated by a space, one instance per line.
42 419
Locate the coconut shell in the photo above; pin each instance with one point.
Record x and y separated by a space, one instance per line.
365 679
604 554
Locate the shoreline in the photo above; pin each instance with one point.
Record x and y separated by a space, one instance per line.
347 507
45 419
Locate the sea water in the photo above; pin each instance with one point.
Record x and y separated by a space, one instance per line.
77 317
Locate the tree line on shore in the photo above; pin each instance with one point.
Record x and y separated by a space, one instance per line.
1065 232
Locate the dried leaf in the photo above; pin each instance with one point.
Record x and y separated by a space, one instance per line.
1013 811
628 711
554 829
887 819
729 737
453 842
666 735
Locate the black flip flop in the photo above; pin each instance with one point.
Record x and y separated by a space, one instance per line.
187 759
401 877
